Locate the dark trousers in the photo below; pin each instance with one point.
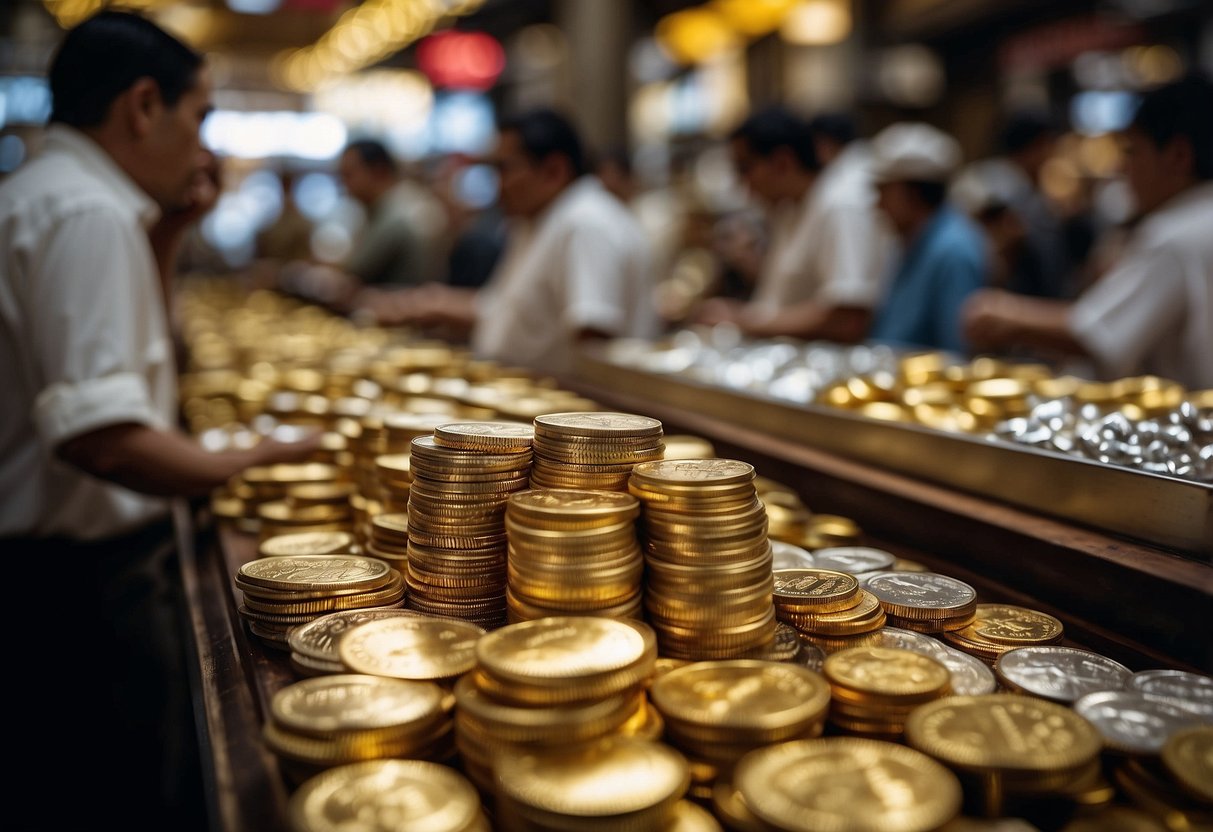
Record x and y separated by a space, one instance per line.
99 693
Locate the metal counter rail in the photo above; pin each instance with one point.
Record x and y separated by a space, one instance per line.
1163 511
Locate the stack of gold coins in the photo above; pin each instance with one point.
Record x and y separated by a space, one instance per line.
314 645
1059 674
286 591
709 560
998 628
393 481
573 553
307 494
276 515
366 447
1005 746
422 648
390 540
846 783
335 720
592 451
457 540
874 689
307 543
1176 787
826 607
619 783
584 675
717 712
402 794
925 602
788 517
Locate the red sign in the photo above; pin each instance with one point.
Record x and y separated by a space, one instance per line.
465 60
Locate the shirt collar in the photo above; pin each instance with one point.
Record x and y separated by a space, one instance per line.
69 140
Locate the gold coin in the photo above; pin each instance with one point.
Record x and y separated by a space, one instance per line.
844 783
348 747
561 724
319 492
306 543
564 506
597 425
1188 757
615 777
411 648
307 666
390 594
679 446
690 817
289 474
489 436
887 672
316 572
1003 732
746 696
552 649
385 795
815 590
355 703
693 472
1015 626
282 513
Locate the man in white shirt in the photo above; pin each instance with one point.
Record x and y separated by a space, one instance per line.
822 272
575 267
88 445
1153 312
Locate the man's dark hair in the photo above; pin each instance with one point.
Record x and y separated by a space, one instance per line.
838 127
931 193
373 154
1181 109
773 128
545 132
1024 128
102 57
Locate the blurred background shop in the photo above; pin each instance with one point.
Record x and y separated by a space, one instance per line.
655 87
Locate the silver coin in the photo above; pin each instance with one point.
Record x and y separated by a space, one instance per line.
853 559
1060 674
810 656
927 590
1194 691
787 556
1135 722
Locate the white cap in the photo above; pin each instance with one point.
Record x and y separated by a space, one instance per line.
912 152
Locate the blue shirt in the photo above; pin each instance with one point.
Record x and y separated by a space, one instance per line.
941 267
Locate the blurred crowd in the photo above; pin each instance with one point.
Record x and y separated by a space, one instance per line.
828 234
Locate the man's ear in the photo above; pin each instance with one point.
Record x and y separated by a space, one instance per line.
1180 157
139 107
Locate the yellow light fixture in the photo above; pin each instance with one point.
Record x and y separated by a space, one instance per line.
695 35
753 18
817 22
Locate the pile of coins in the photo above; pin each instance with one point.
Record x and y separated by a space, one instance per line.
284 592
389 540
592 451
414 794
998 628
548 684
790 520
709 585
841 783
394 481
1007 747
462 479
970 676
874 689
618 783
573 553
925 602
1059 674
716 712
1177 785
314 645
307 543
335 720
827 608
277 513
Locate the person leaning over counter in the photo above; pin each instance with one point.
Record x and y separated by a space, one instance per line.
943 257
1153 312
88 443
575 265
821 273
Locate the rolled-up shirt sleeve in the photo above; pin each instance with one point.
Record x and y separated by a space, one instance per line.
91 349
1121 318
